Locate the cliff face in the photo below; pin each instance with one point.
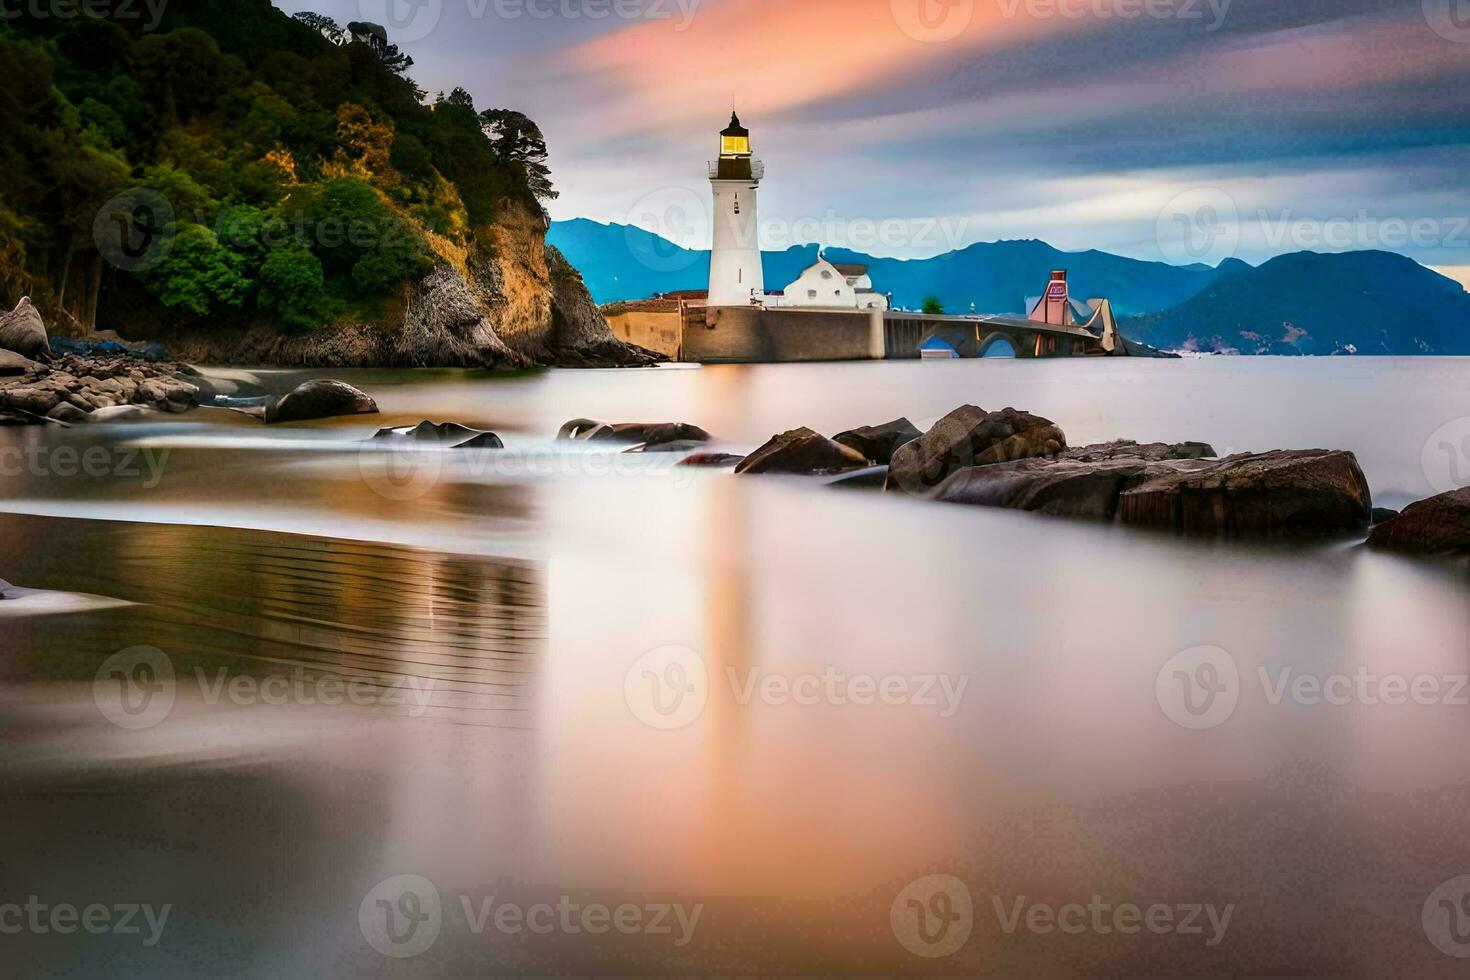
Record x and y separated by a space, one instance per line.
513 301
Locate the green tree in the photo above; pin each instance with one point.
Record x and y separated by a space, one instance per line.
198 275
517 142
933 306
293 287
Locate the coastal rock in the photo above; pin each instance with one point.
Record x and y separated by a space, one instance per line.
1128 449
1056 487
1381 514
67 412
448 434
5 589
802 452
320 399
971 436
677 446
879 442
24 332
579 334
13 364
1437 526
648 434
1275 494
711 460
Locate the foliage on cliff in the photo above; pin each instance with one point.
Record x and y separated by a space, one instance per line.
229 164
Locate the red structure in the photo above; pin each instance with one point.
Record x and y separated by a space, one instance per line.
1055 307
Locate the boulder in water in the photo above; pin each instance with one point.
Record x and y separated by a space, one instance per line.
1437 526
320 399
879 442
645 433
24 332
450 435
802 452
971 436
1284 493
711 460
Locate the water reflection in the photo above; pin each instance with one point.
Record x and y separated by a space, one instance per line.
881 690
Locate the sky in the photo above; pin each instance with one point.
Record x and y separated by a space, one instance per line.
1181 130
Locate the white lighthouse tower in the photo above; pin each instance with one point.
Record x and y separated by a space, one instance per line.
735 275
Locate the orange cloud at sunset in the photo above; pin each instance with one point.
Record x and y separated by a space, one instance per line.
771 55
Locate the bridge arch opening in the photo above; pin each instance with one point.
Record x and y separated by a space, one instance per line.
998 345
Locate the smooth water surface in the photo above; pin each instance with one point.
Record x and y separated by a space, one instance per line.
587 678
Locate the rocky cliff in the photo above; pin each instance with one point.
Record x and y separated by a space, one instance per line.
513 301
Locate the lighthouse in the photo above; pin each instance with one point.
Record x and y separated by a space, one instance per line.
735 276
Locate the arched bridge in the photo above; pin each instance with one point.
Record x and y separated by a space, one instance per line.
974 336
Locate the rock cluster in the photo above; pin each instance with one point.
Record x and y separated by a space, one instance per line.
971 436
75 389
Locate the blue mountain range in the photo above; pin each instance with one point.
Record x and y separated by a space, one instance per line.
1365 302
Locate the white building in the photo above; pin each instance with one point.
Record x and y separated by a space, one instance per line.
832 285
735 274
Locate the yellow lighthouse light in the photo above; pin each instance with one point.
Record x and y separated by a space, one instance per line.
735 140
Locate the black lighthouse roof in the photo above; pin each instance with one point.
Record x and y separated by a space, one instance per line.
735 129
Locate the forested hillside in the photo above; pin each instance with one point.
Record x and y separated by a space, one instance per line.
233 166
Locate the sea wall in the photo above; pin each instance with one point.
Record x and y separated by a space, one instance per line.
737 334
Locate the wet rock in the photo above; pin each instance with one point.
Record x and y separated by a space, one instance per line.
646 433
879 442
15 365
320 399
24 332
802 452
971 436
678 446
126 413
578 428
485 440
1276 494
1057 487
35 400
1128 449
1381 514
67 412
711 460
6 589
1437 526
450 435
